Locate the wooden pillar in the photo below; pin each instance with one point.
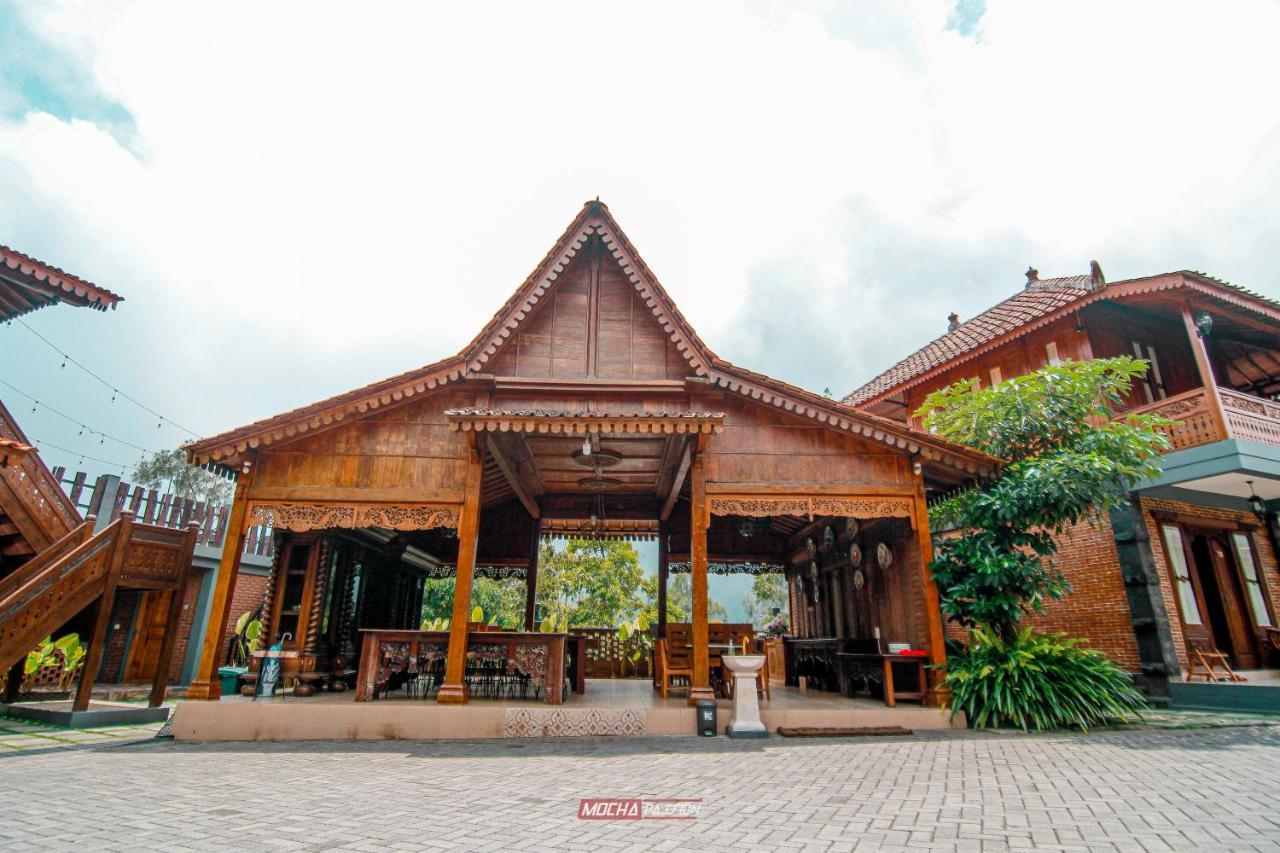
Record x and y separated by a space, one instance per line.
1205 369
206 685
937 695
700 687
531 575
664 573
454 691
102 614
174 609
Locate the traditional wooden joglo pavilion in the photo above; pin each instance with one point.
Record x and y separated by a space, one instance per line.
586 406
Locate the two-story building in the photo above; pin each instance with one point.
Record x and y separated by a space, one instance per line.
1193 565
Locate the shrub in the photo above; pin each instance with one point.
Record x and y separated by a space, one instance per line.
1038 681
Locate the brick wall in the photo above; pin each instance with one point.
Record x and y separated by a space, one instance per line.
113 655
1261 544
1097 608
247 595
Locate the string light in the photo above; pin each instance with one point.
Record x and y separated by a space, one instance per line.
114 390
83 456
83 426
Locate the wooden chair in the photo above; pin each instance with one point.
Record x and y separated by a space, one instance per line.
1273 642
751 645
1207 658
671 665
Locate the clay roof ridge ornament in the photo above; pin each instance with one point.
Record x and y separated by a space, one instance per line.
1033 275
1097 281
953 321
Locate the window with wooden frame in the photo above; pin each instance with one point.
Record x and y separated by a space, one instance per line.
1255 592
1176 557
1152 383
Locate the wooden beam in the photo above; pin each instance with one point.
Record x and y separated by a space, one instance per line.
1205 370
667 462
454 690
677 483
937 696
700 685
206 684
531 575
664 563
511 471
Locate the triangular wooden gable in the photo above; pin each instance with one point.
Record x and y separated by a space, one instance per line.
592 309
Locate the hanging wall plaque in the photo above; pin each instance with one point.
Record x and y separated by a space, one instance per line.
884 555
855 554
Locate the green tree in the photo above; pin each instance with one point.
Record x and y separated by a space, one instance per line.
590 582
168 470
501 600
1067 460
680 601
767 592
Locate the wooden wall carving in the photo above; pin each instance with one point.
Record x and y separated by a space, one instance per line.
301 517
759 506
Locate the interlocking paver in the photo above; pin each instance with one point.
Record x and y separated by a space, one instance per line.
1142 789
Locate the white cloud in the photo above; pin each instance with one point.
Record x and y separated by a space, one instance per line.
319 195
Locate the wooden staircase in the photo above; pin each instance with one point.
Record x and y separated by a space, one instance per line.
34 511
53 565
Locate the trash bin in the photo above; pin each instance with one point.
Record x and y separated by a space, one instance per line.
706 718
230 676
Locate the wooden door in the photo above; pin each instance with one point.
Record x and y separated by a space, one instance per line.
1186 589
1234 613
150 624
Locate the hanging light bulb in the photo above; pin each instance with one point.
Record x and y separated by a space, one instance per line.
586 446
113 394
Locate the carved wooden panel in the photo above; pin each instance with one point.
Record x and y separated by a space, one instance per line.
301 517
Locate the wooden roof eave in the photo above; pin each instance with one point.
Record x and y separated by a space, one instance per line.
837 416
1197 282
228 447
23 271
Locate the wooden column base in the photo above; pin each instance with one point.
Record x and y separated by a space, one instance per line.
452 694
204 690
697 694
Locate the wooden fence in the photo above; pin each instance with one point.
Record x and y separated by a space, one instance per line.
164 510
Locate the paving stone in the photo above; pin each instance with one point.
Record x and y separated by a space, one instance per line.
1142 789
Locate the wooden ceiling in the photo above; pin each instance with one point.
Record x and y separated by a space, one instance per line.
535 466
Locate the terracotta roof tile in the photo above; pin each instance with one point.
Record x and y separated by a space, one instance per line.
1043 297
34 284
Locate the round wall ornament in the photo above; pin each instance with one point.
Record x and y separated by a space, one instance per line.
851 527
828 538
855 554
811 547
859 579
884 555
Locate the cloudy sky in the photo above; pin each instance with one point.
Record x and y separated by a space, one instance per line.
296 199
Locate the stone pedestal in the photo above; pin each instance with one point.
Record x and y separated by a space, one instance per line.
746 705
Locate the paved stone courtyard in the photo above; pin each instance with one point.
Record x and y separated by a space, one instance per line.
1141 790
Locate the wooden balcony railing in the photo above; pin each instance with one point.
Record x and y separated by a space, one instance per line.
1200 422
